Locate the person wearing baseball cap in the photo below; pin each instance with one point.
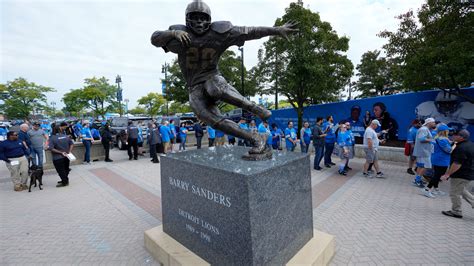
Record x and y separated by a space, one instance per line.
423 150
371 144
460 172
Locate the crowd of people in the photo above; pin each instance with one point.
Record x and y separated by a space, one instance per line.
433 148
440 153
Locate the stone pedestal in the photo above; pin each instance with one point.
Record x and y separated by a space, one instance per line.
233 212
167 251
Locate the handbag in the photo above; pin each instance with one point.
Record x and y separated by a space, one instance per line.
407 149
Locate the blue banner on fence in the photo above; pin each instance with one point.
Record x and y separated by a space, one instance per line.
395 112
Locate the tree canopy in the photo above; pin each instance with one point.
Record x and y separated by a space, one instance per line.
434 49
312 66
21 98
377 75
153 102
97 94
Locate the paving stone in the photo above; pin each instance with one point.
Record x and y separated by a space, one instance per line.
381 221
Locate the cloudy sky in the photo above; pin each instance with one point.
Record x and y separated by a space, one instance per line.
60 43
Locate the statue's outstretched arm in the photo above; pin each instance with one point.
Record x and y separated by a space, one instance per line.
253 33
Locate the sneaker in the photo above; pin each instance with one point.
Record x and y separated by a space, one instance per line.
438 192
452 214
347 168
370 172
342 172
109 160
379 175
418 184
327 165
427 193
410 171
331 163
367 175
62 185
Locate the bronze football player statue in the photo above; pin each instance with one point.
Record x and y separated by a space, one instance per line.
199 46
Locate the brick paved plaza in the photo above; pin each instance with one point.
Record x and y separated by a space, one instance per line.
100 218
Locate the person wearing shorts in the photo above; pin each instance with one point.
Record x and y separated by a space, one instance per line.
371 144
423 150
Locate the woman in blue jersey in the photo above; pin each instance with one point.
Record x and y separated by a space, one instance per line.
290 137
344 141
277 136
183 134
305 136
440 160
87 139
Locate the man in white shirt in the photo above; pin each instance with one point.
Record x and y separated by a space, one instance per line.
371 144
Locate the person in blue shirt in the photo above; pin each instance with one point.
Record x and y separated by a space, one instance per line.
87 139
173 134
23 135
440 160
243 125
183 134
410 144
290 137
351 146
95 133
277 136
344 141
329 140
3 133
305 137
14 153
220 138
211 133
165 133
46 127
77 129
264 129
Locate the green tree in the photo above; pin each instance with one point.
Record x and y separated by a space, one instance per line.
100 95
177 107
75 103
139 110
376 75
153 103
435 47
312 67
21 98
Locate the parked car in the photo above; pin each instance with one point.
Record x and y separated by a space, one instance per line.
118 125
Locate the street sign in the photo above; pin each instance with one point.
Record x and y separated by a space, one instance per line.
163 88
119 95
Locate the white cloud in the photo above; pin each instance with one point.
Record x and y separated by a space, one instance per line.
60 43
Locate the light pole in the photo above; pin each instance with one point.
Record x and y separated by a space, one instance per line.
118 80
126 106
53 104
164 69
241 49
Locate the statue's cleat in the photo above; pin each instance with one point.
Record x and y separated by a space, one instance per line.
258 144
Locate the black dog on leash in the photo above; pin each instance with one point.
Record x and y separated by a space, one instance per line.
36 173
